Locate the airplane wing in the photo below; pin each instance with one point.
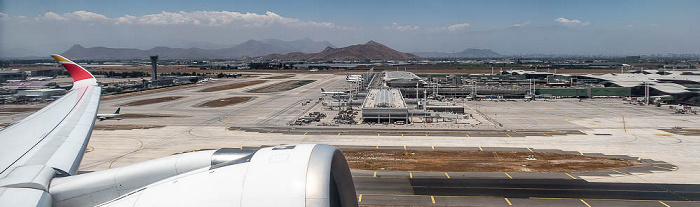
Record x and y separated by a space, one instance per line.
49 143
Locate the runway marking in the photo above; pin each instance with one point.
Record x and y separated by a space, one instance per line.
359 199
404 147
338 133
624 173
665 168
375 174
481 149
662 203
447 175
529 149
511 177
377 146
377 134
584 202
467 135
508 201
508 135
410 175
572 177
432 198
225 120
124 155
305 133
580 152
432 147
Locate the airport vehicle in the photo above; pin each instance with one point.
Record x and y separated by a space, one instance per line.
40 155
103 117
681 109
334 93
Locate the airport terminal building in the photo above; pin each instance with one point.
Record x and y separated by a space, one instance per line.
384 106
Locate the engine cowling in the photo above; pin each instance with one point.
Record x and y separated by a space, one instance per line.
290 175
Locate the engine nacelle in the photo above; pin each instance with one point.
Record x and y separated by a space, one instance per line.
291 175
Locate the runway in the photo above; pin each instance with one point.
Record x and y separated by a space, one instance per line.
495 189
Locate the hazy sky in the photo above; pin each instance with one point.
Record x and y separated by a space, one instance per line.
508 27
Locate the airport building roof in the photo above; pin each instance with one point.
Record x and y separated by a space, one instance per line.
400 76
384 98
638 79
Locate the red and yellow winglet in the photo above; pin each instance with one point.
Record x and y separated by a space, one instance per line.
81 77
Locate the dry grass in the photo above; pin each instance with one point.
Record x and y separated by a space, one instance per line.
158 90
225 101
232 86
124 127
282 86
280 76
476 161
152 101
17 110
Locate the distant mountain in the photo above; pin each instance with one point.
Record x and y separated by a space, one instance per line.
251 48
369 51
80 52
469 53
255 48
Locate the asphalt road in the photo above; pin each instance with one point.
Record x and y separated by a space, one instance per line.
494 189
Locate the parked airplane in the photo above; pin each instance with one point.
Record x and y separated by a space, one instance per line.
40 155
334 93
103 117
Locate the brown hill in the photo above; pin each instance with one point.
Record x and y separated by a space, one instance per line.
369 51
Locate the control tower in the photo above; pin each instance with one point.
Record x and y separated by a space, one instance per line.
154 66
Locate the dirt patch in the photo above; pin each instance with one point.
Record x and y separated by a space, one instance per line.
139 116
283 86
17 110
232 86
124 127
476 161
152 101
225 101
281 76
687 132
158 90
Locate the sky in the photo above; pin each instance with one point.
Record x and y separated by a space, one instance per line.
591 27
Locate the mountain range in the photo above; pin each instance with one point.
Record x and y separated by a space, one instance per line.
369 51
251 48
469 53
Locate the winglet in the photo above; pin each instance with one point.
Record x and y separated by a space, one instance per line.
81 77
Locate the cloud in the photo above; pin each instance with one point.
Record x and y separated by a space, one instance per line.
205 18
629 26
396 26
456 27
50 16
572 22
2 15
524 24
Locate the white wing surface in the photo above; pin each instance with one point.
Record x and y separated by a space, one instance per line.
49 143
